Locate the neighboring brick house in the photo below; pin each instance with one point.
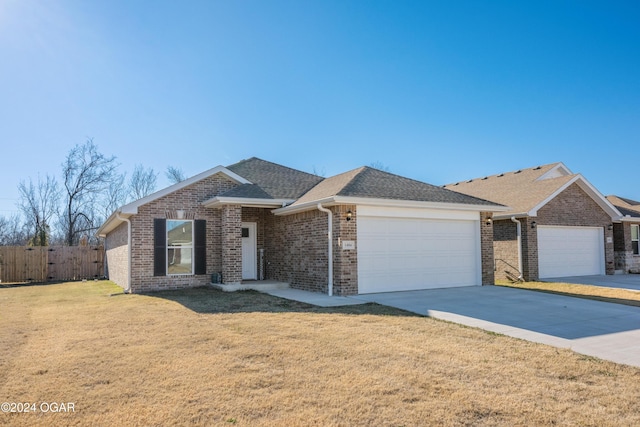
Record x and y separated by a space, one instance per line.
259 220
626 234
558 224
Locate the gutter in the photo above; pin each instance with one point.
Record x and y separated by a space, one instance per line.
127 289
330 249
519 235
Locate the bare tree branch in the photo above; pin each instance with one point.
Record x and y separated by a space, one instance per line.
87 174
39 203
142 182
175 175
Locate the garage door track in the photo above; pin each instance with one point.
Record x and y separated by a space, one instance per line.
605 330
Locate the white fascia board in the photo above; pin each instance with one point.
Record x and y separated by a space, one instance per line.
366 201
508 215
132 208
628 218
589 189
217 202
560 168
111 223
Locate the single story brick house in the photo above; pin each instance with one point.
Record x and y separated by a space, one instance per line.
626 234
558 224
259 220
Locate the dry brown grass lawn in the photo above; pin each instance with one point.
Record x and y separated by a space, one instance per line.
599 293
205 357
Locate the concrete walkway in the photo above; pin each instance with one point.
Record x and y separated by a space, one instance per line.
625 281
605 330
314 298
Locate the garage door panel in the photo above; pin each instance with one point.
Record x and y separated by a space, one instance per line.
570 251
409 253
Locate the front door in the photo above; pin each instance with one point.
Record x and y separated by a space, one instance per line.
249 243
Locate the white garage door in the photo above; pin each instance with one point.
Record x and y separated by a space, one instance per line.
570 251
400 254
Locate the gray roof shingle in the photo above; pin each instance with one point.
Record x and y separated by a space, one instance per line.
625 206
277 181
369 182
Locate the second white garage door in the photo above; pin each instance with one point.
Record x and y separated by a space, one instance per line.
570 251
400 253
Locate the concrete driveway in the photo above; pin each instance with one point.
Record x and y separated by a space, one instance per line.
626 281
605 330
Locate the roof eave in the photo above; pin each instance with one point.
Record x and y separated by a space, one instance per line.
587 188
366 201
112 223
217 202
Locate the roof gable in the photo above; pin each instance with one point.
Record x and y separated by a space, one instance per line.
132 208
526 191
366 183
279 182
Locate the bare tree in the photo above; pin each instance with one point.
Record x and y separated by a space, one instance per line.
175 175
39 204
12 231
115 195
380 166
87 173
142 182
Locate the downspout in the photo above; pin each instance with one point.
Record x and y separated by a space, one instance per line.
127 290
330 236
519 239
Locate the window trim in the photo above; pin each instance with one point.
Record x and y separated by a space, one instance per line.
636 250
191 247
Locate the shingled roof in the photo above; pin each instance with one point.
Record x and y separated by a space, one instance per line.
367 182
276 181
627 207
526 190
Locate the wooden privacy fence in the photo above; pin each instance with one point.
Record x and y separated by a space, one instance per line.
50 263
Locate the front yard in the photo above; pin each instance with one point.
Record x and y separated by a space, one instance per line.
205 357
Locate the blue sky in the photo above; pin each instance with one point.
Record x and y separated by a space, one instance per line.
439 91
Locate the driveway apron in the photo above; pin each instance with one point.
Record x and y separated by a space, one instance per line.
604 330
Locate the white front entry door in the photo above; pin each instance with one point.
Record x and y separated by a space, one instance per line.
249 249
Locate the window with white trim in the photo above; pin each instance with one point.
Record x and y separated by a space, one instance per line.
635 237
179 247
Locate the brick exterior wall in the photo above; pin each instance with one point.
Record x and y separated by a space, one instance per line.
296 250
486 248
116 256
625 260
345 267
505 249
573 207
231 226
190 200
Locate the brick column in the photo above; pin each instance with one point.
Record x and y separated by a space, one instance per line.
529 250
345 267
231 244
486 248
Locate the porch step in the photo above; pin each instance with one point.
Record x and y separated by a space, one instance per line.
257 285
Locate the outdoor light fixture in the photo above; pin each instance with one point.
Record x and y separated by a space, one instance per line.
534 224
610 227
488 221
349 215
